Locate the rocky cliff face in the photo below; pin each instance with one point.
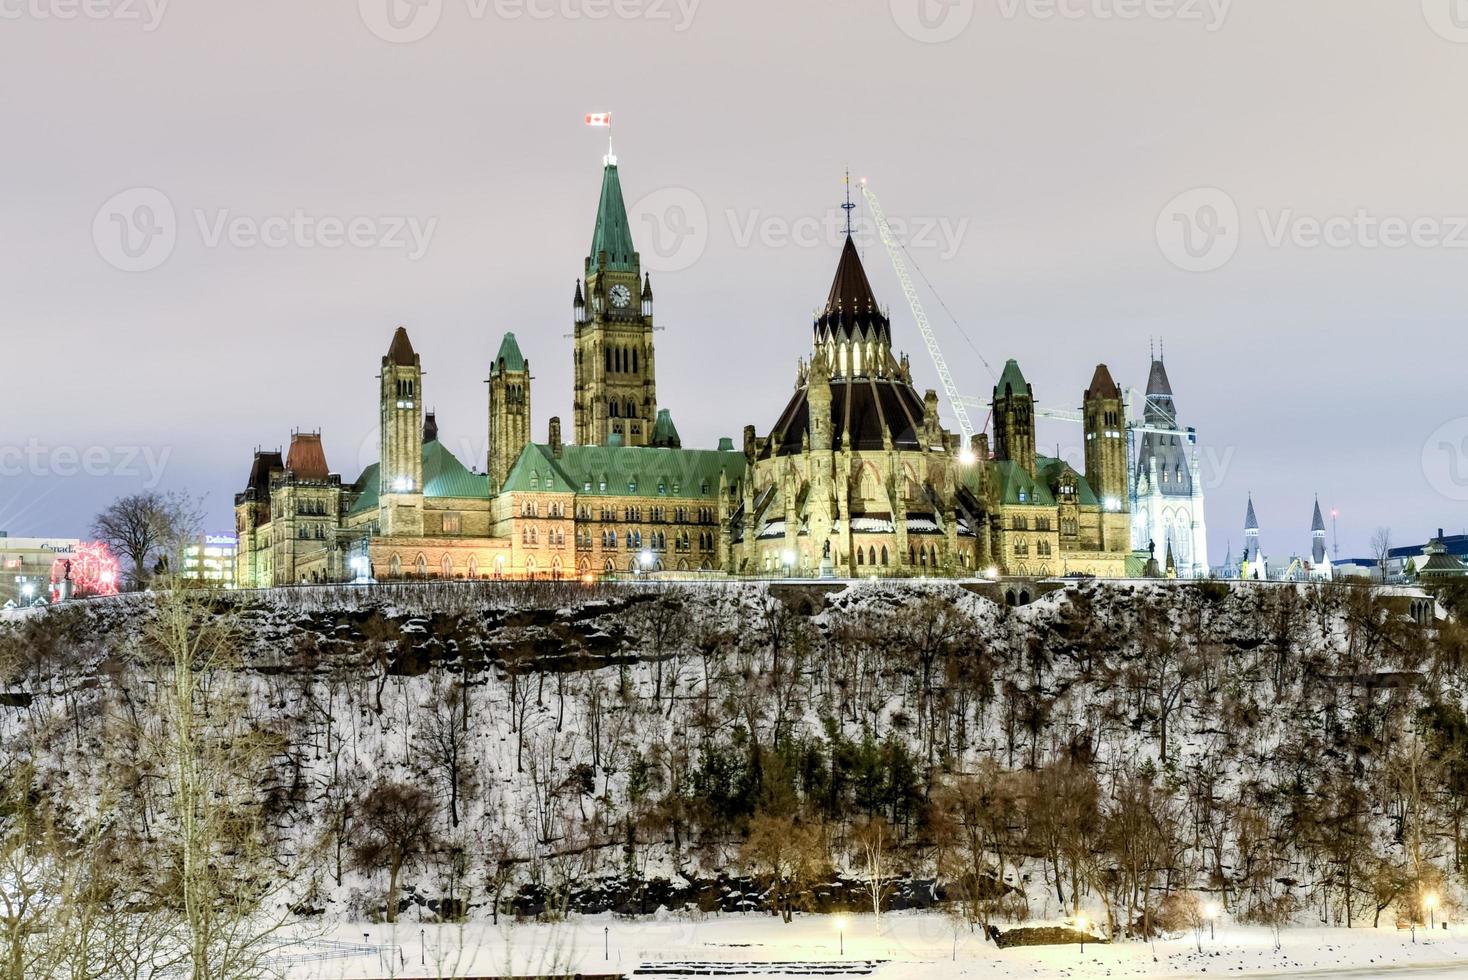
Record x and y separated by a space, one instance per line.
1295 749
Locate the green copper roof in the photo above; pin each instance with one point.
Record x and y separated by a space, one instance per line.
1016 486
510 354
1050 472
1014 378
622 471
664 432
613 233
443 476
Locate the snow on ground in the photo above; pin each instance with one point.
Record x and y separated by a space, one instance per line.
921 946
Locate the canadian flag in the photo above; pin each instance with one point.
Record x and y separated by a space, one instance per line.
599 119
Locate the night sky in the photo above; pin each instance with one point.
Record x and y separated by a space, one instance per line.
1040 167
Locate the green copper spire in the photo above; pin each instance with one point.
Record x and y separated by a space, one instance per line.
613 233
510 354
1013 378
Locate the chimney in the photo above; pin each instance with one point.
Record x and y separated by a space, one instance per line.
555 436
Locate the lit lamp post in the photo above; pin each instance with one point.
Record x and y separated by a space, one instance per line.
1430 902
1211 911
841 933
645 561
1081 926
789 559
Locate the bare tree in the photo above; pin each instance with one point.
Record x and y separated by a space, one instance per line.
1381 549
397 820
873 845
146 529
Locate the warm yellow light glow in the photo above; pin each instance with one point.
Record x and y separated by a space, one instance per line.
1430 901
967 457
1082 924
1211 911
841 923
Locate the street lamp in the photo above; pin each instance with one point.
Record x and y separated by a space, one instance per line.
789 559
841 933
1430 901
1211 912
1081 926
645 560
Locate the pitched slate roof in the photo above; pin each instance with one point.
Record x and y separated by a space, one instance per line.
863 411
1101 384
306 457
851 307
1050 470
400 351
615 471
613 233
665 433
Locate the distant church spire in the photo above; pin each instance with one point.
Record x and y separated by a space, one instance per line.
1317 535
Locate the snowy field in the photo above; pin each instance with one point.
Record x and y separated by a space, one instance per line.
919 946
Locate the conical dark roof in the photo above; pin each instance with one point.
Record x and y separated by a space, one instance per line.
613 233
1318 524
1251 523
1157 383
851 307
400 352
1102 386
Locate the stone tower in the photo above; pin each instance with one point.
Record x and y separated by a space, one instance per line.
1255 564
1167 487
1014 418
400 508
615 367
1106 455
509 410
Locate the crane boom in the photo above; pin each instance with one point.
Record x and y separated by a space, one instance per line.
959 404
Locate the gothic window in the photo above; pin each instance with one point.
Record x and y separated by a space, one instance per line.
421 566
884 554
395 566
608 356
932 556
448 567
613 409
473 566
861 558
872 555
634 360
662 488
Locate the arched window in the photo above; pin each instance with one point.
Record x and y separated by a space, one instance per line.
872 555
499 566
612 408
556 567
861 558
530 567
448 567
473 566
884 554
395 566
634 360
421 566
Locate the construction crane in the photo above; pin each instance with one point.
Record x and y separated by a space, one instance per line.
1135 423
945 377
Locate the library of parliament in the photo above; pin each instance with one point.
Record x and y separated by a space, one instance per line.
854 476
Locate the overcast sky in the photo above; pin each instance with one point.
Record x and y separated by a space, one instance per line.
217 212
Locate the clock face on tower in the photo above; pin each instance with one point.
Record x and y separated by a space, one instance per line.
621 296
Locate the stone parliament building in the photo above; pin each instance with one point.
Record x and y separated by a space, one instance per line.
856 476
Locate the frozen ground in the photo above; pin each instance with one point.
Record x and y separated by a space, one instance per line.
919 946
